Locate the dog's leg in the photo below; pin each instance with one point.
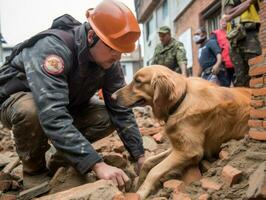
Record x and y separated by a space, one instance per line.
150 163
176 159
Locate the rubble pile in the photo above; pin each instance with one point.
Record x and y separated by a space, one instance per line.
238 173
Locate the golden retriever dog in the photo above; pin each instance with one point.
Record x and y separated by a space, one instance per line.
199 116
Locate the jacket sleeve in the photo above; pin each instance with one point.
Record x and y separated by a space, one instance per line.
122 118
50 93
181 54
155 56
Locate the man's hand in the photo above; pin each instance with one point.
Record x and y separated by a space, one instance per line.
215 70
140 164
227 18
108 172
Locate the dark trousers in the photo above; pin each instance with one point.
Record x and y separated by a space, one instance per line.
240 53
19 113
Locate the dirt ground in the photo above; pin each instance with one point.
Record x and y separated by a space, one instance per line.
245 155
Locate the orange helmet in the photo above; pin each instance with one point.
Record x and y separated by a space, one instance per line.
115 25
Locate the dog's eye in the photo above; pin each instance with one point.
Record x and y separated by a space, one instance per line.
137 81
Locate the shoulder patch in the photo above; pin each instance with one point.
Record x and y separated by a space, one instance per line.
53 64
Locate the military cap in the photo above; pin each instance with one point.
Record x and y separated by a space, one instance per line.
164 29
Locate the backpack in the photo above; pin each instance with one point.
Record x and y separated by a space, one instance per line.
61 28
223 43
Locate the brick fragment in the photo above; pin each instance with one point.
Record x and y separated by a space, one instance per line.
206 183
180 196
256 82
258 113
257 103
174 185
259 92
204 197
256 60
257 70
231 175
257 135
191 174
255 123
224 155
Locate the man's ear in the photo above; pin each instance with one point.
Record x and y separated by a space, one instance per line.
90 36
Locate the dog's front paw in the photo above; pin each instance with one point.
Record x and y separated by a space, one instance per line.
142 194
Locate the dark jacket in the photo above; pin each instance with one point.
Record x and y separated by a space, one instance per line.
56 95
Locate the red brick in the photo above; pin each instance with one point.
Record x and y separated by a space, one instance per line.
132 196
256 82
256 60
223 155
7 197
264 124
174 184
254 71
191 174
159 137
257 135
204 197
84 191
231 175
206 183
180 196
255 123
259 92
256 103
258 113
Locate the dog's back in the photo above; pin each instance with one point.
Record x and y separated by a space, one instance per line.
221 113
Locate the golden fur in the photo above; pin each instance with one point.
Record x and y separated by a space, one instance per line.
208 116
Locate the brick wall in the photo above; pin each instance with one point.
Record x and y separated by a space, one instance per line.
191 19
263 24
257 122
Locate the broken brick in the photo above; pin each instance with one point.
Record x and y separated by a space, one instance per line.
180 196
257 135
231 175
204 197
206 183
192 174
174 185
223 155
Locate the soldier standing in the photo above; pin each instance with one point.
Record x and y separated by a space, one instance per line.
242 33
170 52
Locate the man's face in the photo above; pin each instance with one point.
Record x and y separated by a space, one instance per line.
223 23
199 36
104 55
165 38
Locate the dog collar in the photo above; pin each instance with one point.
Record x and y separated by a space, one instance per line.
177 104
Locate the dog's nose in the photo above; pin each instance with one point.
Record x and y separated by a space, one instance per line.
114 96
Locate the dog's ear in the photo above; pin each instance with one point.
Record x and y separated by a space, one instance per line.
168 89
164 94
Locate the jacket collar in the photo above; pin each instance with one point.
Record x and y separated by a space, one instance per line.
82 48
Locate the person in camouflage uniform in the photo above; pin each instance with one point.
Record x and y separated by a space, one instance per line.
242 33
48 92
169 52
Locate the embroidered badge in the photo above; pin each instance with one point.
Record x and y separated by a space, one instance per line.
53 64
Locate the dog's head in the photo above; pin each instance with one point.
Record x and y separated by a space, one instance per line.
156 86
